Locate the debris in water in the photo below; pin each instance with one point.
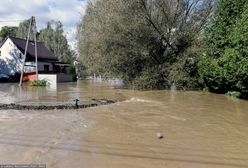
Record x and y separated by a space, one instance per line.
160 135
76 103
52 107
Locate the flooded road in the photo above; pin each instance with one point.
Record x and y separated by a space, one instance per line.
201 130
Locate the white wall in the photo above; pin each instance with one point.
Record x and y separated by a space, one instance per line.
10 61
50 78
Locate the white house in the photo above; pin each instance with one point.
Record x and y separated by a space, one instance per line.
12 55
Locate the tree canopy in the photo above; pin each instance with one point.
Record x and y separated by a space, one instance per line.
54 39
22 30
144 42
224 67
7 31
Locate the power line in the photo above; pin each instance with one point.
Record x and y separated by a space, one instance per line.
11 20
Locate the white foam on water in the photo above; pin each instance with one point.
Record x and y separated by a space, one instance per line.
138 100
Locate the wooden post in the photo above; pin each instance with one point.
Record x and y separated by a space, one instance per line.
32 26
25 54
35 47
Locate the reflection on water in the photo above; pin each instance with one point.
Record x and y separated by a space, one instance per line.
62 93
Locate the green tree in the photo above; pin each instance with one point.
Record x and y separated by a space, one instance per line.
218 30
54 39
22 30
141 41
7 31
47 36
224 67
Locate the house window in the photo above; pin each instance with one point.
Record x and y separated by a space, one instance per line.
20 55
0 53
46 68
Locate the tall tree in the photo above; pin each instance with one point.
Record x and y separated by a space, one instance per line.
7 31
221 25
140 40
47 36
22 30
224 67
54 38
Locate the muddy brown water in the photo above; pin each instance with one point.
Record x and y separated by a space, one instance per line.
63 93
201 130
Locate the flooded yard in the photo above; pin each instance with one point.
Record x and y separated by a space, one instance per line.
63 93
201 130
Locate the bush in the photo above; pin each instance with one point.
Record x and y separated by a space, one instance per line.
211 75
71 70
206 89
152 78
233 94
183 73
39 83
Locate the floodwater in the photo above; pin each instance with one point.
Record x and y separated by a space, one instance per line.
63 93
201 130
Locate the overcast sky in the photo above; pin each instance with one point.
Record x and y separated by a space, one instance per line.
68 12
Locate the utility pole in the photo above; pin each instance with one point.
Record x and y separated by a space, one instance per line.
35 47
32 27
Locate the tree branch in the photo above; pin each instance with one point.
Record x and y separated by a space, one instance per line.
149 19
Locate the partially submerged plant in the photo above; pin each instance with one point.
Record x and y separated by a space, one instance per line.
205 89
41 82
233 94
